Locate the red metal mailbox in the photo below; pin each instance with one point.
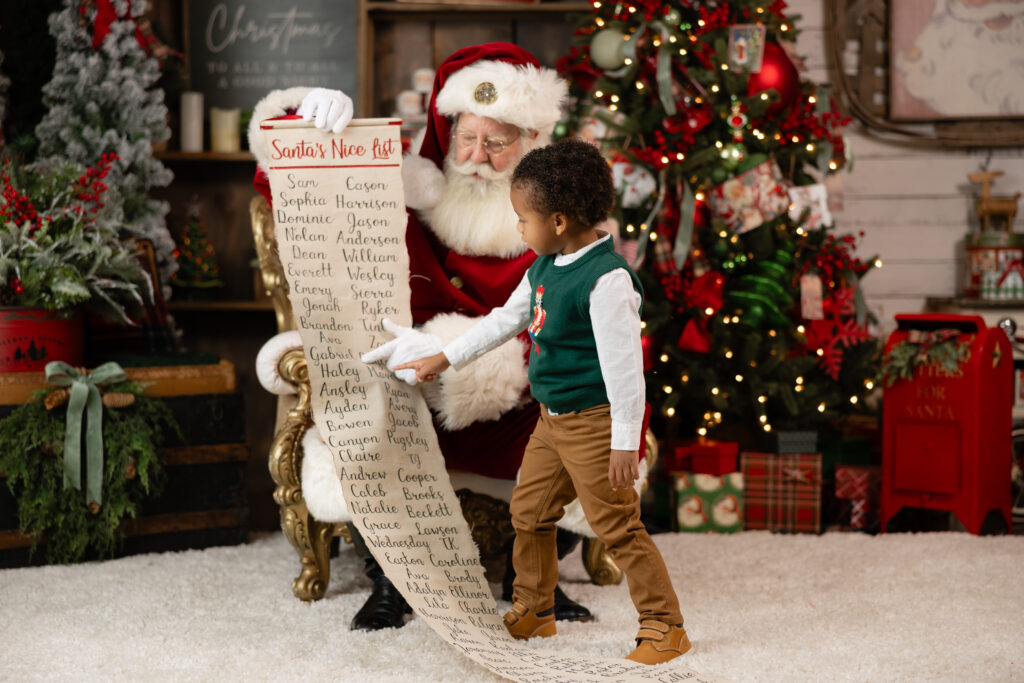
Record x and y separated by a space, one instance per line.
946 438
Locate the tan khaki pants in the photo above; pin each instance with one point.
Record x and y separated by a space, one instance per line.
567 456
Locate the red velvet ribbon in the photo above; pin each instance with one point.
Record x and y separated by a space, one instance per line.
703 293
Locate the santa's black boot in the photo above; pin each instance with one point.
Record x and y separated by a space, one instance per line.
566 609
385 608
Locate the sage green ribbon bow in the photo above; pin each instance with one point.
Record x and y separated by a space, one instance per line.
84 398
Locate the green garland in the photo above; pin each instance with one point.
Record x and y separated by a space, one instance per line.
31 449
904 358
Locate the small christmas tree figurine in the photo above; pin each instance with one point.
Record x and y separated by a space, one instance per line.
197 264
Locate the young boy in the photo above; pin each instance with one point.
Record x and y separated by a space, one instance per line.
580 303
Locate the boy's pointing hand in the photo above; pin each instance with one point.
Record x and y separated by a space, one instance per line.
427 369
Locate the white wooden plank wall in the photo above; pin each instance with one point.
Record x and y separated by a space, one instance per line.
914 204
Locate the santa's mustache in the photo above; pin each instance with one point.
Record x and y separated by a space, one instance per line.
483 170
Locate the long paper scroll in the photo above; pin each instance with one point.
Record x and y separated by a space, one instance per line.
340 220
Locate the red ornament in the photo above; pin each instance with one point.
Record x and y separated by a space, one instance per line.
706 292
695 337
647 346
777 73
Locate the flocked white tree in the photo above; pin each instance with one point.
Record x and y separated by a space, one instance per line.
103 100
4 85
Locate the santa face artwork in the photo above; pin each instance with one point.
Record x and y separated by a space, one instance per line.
958 58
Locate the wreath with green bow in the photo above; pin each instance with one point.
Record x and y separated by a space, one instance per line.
109 423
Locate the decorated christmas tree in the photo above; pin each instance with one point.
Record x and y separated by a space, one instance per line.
754 317
101 100
197 264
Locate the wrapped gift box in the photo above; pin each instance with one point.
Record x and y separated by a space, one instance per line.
861 485
708 503
786 441
706 456
782 492
844 451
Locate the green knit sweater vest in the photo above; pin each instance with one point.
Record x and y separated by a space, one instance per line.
565 374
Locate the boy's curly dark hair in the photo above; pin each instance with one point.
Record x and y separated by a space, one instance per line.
569 177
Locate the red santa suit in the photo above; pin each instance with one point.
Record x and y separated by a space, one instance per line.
445 281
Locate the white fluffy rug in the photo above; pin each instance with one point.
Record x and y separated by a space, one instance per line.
758 607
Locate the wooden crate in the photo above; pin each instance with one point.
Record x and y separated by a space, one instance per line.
203 502
164 380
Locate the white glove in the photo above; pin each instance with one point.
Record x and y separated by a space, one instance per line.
332 109
408 345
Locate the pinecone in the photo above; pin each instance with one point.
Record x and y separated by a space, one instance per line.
56 399
118 400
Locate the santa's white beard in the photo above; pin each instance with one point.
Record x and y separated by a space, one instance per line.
474 215
960 66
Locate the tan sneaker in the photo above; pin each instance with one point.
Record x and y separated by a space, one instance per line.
658 642
522 622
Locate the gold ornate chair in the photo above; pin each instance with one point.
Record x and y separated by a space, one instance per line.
488 517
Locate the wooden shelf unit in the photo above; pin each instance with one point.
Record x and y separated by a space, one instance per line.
396 38
259 305
204 157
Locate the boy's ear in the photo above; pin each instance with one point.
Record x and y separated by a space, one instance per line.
561 222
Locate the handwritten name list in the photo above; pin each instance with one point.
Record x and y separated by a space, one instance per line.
340 223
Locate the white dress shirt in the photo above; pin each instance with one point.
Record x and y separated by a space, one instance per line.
615 314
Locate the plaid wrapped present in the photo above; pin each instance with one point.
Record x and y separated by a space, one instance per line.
783 492
706 503
861 485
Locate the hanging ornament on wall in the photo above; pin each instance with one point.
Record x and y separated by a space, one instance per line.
606 49
777 73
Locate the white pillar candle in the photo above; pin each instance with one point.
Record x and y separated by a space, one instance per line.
191 122
225 135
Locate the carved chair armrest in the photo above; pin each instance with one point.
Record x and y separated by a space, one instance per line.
286 451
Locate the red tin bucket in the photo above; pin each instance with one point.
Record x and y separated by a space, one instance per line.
32 337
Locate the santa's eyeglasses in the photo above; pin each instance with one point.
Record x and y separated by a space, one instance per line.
465 139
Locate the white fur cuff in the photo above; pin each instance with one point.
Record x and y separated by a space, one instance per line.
268 358
423 182
321 487
276 103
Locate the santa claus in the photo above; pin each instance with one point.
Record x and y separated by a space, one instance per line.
490 105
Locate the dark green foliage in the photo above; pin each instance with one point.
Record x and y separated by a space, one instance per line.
903 359
31 449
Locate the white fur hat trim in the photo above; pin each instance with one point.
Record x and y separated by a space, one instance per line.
522 95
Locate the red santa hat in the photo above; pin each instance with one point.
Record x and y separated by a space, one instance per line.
498 80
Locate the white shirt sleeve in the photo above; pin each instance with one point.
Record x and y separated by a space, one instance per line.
495 328
615 314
